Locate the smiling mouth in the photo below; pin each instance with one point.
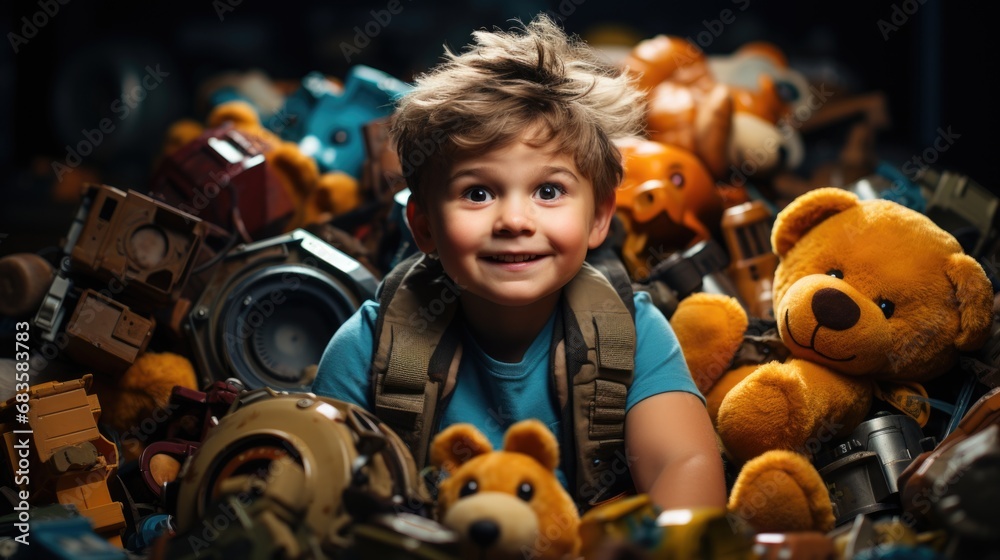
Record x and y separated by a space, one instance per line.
512 258
812 342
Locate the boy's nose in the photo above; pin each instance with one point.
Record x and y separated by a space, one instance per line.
514 218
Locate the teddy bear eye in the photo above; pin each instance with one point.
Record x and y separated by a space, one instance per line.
887 307
836 273
525 491
469 488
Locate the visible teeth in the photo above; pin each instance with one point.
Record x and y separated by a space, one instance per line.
513 258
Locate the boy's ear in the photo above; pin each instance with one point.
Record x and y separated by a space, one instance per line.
419 224
602 222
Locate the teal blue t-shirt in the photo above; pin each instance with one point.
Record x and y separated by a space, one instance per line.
491 394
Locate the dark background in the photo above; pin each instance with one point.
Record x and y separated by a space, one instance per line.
934 69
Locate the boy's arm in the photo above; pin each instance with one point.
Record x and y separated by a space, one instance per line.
343 371
672 452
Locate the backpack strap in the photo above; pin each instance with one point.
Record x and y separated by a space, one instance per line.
409 385
592 375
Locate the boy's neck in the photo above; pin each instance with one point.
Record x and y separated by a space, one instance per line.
505 333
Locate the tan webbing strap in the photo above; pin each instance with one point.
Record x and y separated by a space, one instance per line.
400 398
607 412
616 360
404 398
603 352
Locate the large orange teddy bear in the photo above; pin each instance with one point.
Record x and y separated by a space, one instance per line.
869 297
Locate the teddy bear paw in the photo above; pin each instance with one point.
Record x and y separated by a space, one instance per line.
780 491
767 410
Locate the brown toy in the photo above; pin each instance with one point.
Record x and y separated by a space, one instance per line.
506 503
862 314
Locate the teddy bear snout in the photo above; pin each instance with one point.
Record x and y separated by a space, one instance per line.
484 533
834 309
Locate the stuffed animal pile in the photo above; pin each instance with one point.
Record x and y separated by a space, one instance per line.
870 298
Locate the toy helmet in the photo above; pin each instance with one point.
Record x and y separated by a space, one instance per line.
308 460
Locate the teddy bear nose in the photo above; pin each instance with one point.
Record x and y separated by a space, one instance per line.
834 309
484 533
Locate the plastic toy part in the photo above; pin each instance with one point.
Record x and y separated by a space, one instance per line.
963 208
804 545
105 334
72 461
300 469
270 309
667 202
637 528
747 231
698 269
222 177
145 246
953 485
326 123
24 281
861 472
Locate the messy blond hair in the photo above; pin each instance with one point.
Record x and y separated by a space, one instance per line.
533 78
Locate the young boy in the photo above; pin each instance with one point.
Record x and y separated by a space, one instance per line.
512 173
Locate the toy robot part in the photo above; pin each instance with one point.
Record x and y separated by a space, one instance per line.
698 269
270 309
286 461
72 461
952 486
145 246
747 231
861 472
963 208
223 178
105 334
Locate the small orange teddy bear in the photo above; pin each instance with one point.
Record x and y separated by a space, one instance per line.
506 503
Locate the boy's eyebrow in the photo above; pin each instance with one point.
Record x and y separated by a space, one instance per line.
550 169
488 171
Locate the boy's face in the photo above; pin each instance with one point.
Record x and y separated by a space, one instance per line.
512 226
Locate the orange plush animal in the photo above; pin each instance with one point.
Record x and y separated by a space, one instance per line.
733 129
506 503
667 202
871 299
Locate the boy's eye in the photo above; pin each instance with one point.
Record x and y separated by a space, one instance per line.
477 194
550 191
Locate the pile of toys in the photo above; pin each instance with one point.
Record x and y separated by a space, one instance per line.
161 407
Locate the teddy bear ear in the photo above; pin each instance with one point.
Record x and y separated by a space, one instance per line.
299 169
805 213
535 440
240 113
975 300
456 444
